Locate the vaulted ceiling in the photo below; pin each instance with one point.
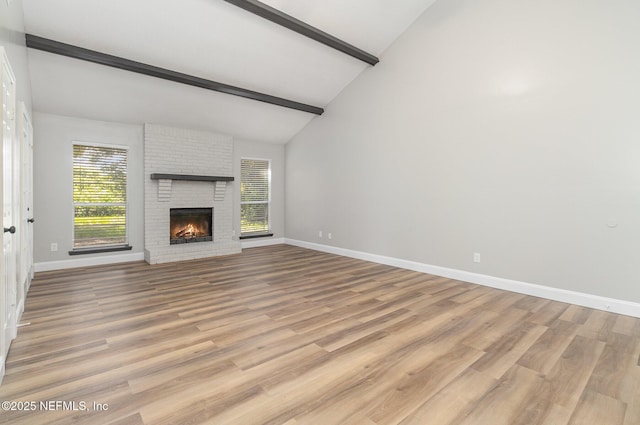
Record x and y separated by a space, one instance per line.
208 39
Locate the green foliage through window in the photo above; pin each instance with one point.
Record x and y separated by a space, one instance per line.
254 196
99 196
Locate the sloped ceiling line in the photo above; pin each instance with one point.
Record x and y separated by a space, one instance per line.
72 51
289 22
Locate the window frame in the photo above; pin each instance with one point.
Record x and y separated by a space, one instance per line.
100 247
267 232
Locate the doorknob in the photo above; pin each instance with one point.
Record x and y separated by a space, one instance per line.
11 229
30 220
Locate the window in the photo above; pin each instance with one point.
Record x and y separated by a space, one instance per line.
99 196
255 182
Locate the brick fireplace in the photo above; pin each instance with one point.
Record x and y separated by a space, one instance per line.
187 169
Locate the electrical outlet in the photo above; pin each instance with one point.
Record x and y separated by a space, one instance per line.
54 247
329 235
476 257
320 233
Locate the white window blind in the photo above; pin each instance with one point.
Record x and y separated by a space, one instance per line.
99 196
254 196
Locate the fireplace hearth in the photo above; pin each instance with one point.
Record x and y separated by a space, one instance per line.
188 225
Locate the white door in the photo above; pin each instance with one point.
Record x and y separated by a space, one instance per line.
25 263
8 289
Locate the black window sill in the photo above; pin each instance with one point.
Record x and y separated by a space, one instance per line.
83 251
257 235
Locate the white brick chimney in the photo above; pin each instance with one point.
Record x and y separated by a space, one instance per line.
170 150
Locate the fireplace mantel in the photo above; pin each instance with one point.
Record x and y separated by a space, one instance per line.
158 176
165 182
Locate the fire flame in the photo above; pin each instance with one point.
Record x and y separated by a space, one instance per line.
190 231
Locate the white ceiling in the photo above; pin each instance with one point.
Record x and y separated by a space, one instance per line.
211 39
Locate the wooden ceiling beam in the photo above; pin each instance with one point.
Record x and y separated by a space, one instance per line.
289 22
69 50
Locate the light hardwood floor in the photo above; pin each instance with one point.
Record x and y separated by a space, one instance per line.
284 335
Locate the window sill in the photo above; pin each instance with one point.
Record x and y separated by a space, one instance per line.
256 235
83 251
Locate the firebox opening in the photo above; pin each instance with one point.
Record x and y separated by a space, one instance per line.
190 225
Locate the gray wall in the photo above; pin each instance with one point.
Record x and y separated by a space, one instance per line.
274 152
53 178
510 129
53 191
12 39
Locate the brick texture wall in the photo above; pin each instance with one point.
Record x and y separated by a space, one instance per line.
170 150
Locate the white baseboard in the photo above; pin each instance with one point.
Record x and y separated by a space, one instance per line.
88 261
586 300
125 258
20 310
254 243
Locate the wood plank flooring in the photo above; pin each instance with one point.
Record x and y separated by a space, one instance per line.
285 335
